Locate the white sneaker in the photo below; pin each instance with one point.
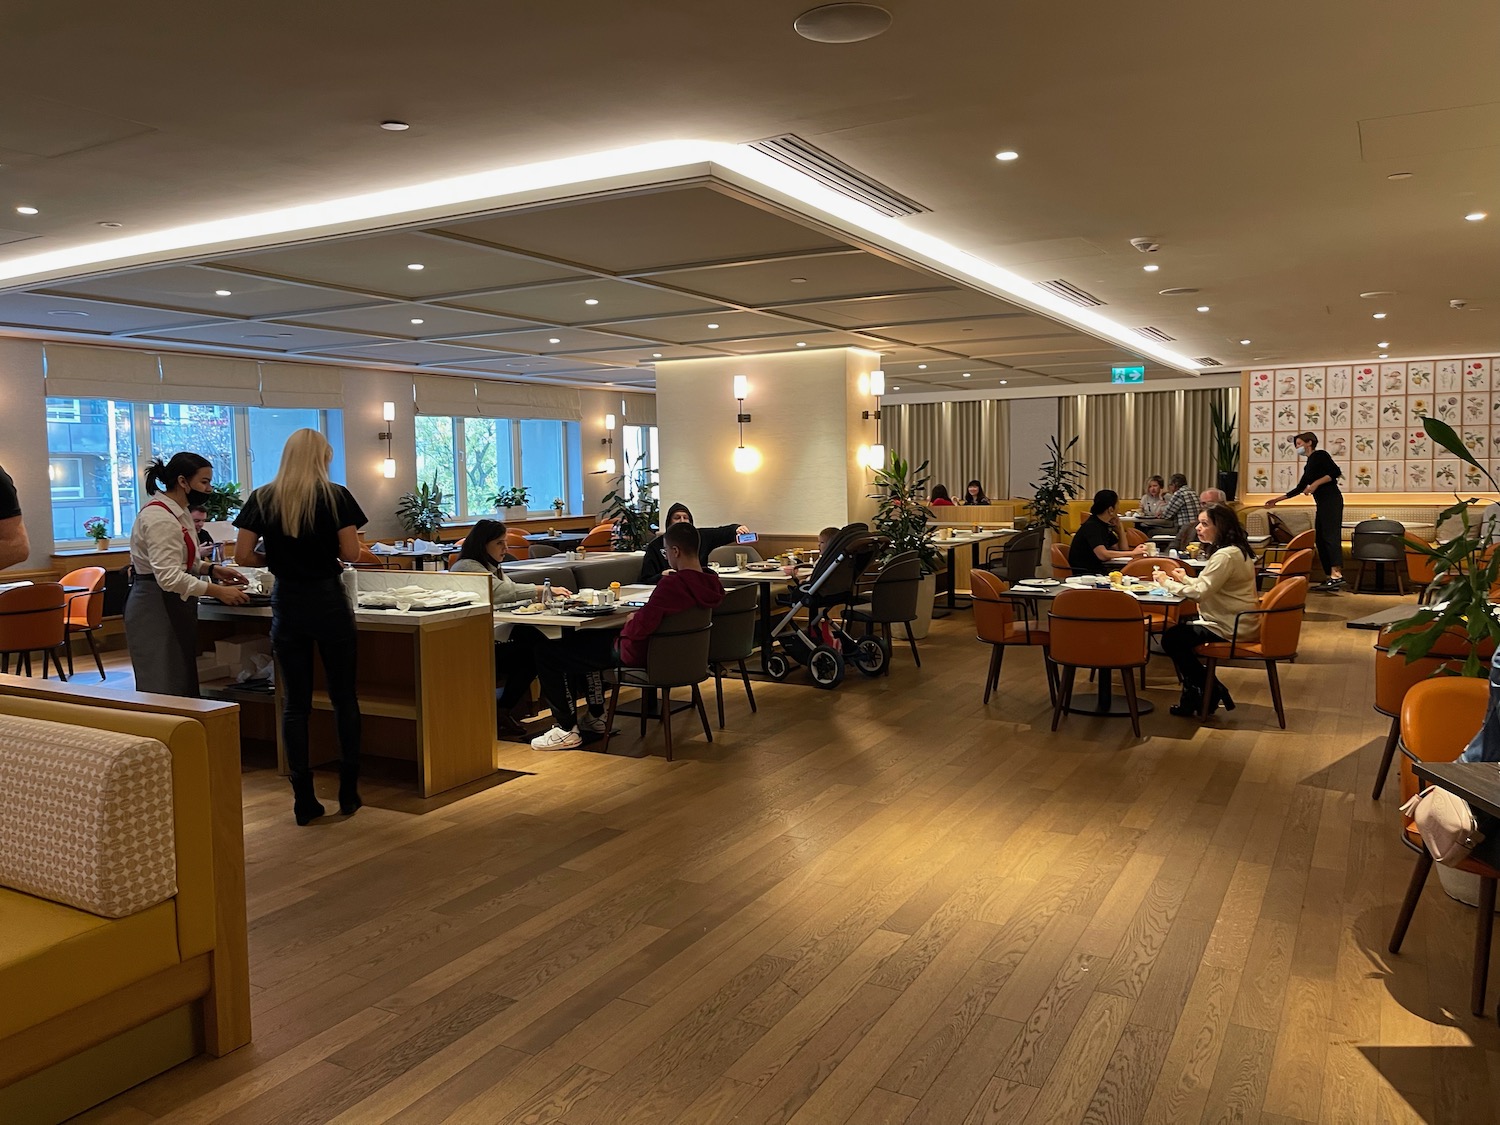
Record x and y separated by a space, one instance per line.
557 739
591 723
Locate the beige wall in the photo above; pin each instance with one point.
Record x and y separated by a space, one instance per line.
805 423
23 441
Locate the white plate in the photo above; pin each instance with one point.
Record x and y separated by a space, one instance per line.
727 569
1038 582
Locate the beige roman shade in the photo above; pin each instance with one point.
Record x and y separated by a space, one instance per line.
301 386
639 410
213 379
439 395
527 400
116 373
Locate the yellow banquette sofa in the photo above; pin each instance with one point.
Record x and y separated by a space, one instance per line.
123 945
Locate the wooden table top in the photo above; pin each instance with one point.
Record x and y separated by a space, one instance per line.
1476 782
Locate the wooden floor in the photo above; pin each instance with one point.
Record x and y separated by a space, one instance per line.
878 905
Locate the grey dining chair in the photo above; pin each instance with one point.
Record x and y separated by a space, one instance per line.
1380 542
723 555
892 600
732 640
676 657
543 550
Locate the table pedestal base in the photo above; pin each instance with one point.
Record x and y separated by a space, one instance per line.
1107 705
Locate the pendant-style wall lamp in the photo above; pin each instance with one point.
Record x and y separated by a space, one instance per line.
388 412
609 442
746 460
875 455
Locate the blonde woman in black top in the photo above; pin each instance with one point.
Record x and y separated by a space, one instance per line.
1320 480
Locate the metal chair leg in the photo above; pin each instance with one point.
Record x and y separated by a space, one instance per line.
749 694
1386 756
1135 708
666 719
911 640
1275 678
94 648
719 692
1409 904
992 677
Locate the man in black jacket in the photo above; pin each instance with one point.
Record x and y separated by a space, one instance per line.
710 539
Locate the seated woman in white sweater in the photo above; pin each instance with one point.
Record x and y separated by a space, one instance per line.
1225 587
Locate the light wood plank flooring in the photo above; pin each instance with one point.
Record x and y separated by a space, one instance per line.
880 905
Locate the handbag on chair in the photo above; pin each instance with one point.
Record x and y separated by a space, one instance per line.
1447 824
1277 528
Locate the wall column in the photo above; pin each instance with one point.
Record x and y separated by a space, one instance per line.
805 423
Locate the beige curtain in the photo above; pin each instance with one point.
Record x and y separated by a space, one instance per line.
961 441
1125 438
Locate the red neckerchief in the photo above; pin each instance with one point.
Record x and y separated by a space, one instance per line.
187 538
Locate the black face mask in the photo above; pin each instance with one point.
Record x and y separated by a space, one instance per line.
196 499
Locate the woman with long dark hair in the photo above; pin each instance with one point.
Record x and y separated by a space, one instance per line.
940 497
303 527
1223 588
171 574
974 494
1320 480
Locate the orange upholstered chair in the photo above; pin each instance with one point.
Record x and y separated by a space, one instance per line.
33 619
599 540
1281 611
1302 541
1100 629
1134 537
1060 567
1000 621
515 544
1438 718
1296 565
1394 677
86 611
1420 571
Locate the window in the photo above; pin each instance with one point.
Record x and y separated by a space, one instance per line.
473 459
642 457
98 447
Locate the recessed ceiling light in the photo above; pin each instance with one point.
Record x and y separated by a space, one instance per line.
1378 316
1007 155
1003 382
1150 269
395 126
1472 216
799 281
222 293
656 355
895 388
711 325
921 367
416 266
1384 355
967 375
554 340
1399 176
1383 344
66 312
1202 308
1179 291
1244 341
110 226
1373 293
591 300
32 211
418 320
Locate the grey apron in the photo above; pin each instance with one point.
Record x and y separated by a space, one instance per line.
161 630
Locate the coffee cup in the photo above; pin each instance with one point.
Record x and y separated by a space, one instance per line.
740 559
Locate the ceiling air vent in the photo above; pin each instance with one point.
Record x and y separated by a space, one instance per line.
1154 334
1070 292
837 176
1208 361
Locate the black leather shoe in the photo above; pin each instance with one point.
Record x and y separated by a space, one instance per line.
305 805
1187 707
349 802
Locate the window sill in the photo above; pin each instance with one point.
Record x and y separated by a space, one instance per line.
78 552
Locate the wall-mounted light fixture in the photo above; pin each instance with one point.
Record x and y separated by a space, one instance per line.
875 454
388 413
609 442
745 460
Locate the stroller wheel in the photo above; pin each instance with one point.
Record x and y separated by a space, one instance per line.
826 667
777 666
872 655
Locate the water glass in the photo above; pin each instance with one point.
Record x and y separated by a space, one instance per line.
740 559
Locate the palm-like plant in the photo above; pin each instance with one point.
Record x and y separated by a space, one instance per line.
634 510
421 512
1062 482
902 514
1226 445
1465 569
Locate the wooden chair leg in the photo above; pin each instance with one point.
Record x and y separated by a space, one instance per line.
911 640
1210 679
666 719
94 648
992 677
719 692
1065 697
68 644
749 694
58 663
702 713
647 695
1052 686
1484 927
609 718
1275 678
1135 708
1386 757
1409 904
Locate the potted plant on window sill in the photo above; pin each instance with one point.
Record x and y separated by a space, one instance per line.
559 507
903 515
97 529
512 502
421 512
1061 483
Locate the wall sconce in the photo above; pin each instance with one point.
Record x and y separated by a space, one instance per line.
875 455
388 413
608 441
745 460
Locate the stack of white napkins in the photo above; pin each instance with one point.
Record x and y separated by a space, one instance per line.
383 549
407 597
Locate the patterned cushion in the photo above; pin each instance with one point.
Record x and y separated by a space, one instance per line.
86 816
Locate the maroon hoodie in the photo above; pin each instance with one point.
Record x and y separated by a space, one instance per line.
677 591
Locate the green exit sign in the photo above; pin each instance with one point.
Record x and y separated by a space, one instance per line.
1135 373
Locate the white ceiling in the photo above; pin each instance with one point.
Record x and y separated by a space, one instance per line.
1253 141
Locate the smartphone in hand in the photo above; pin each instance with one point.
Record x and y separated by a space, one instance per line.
746 537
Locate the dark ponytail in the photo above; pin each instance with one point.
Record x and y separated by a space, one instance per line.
163 478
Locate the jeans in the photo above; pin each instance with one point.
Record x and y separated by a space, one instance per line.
587 650
304 615
1178 643
1328 527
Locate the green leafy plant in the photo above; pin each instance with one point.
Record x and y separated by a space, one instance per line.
516 496
1062 482
632 506
96 528
421 512
903 515
558 505
1226 443
224 500
1465 569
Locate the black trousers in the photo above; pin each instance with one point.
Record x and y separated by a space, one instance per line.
516 658
1328 527
573 655
1178 643
304 616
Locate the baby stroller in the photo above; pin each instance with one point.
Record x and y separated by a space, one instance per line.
830 585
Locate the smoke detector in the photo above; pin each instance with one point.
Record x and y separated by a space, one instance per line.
1145 245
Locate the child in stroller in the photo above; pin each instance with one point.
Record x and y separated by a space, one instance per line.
821 643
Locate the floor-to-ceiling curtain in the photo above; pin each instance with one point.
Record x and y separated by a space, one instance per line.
960 441
1125 438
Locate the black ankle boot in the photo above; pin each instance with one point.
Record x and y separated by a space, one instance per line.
349 802
1188 706
305 806
1222 697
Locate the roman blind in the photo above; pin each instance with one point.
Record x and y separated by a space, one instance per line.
303 386
640 410
118 373
437 394
527 400
201 378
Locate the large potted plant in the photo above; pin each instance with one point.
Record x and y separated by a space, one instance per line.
1062 482
635 510
903 516
512 502
224 500
1226 450
421 512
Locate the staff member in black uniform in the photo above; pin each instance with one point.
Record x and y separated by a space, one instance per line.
14 546
307 527
161 614
1320 481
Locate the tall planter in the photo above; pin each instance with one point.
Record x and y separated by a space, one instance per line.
1229 483
926 595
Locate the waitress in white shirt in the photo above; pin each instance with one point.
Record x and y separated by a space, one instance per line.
161 614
